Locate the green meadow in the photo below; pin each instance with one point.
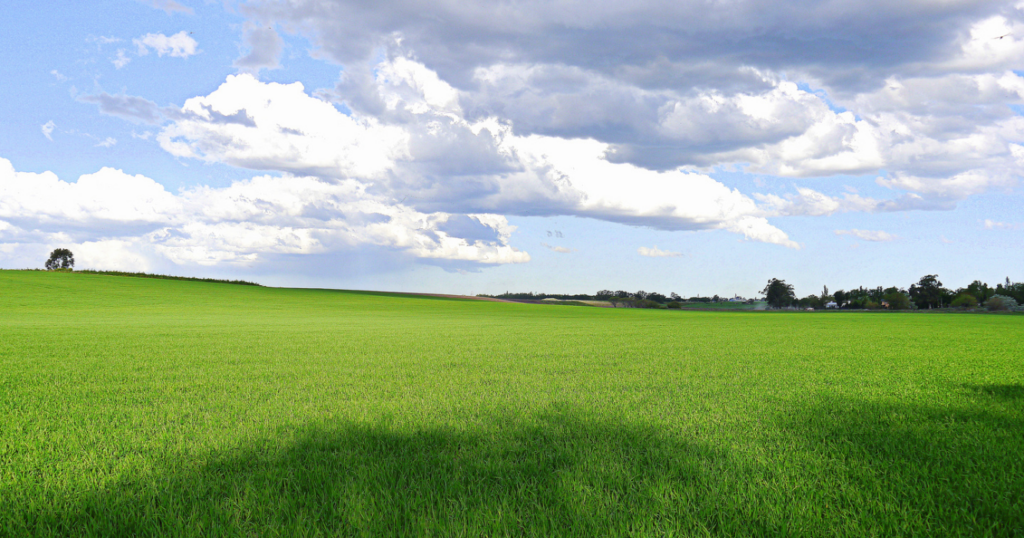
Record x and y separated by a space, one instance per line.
145 407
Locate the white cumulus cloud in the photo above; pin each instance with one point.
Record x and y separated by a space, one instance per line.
421 148
179 45
245 223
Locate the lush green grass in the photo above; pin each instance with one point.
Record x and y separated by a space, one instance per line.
724 305
157 407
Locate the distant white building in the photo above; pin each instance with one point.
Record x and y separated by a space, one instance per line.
737 299
831 304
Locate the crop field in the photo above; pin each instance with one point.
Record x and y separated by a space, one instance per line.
144 407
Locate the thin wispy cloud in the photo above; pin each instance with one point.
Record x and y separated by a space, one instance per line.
868 235
179 45
996 225
655 252
558 249
47 129
121 59
129 107
169 6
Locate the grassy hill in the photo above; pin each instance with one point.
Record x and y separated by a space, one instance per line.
136 406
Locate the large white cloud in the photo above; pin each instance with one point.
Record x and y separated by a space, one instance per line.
251 124
108 196
117 219
424 151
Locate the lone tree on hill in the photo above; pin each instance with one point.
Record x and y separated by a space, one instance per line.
60 258
778 293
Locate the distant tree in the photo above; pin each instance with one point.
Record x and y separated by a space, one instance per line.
716 299
60 258
964 300
603 295
825 298
840 298
657 297
811 301
980 291
897 300
857 303
778 294
1010 289
928 292
623 294
998 303
640 295
675 296
675 304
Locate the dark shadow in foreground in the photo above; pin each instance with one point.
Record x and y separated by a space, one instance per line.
1003 392
916 469
835 468
548 475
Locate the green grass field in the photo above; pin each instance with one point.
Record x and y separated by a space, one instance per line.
146 407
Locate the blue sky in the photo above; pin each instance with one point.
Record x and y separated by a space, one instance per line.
456 147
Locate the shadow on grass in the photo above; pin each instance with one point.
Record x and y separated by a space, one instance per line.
1003 392
549 475
916 470
838 468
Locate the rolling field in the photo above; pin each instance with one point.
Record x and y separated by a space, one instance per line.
148 407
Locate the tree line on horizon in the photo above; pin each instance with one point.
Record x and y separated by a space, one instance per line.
927 293
628 299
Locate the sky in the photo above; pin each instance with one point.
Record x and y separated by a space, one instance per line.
481 147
